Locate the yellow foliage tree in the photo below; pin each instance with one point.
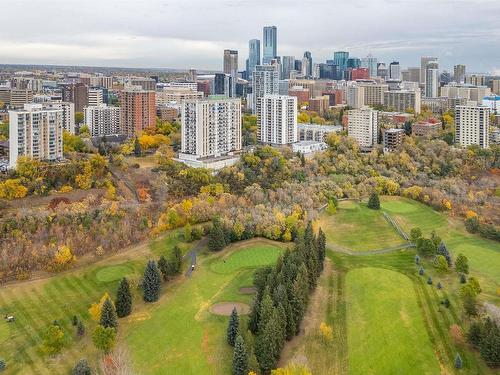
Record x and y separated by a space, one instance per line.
326 332
446 204
84 180
63 257
12 189
95 308
292 370
470 214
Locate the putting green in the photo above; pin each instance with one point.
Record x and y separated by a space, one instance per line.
253 256
385 327
113 273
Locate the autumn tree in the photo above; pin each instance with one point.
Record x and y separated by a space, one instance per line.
53 339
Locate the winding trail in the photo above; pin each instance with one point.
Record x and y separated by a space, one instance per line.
192 255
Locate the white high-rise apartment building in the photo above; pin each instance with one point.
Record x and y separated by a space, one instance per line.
210 127
265 82
363 126
402 100
431 80
472 126
36 132
102 120
423 65
95 97
277 119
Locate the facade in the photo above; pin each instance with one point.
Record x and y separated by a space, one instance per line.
426 128
138 110
269 44
277 119
35 132
363 126
395 71
176 95
302 94
493 103
475 79
318 133
147 84
340 59
366 94
401 100
459 73
68 114
436 105
307 65
472 126
431 80
392 139
95 97
319 104
466 91
265 82
253 56
360 73
370 63
287 66
496 86
210 127
308 147
102 120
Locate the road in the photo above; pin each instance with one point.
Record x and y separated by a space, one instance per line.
192 255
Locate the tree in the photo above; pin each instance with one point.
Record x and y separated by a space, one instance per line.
104 338
443 250
108 315
240 358
472 224
176 260
82 368
163 267
80 329
216 238
266 348
53 340
2 364
137 147
441 264
232 328
374 201
12 189
429 280
292 370
458 361
188 233
417 259
415 234
489 347
123 299
152 282
474 335
462 264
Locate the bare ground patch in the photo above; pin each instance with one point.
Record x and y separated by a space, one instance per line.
248 290
226 308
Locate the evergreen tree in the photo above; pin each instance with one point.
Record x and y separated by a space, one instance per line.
265 345
123 299
152 282
489 347
475 334
429 280
266 310
176 260
108 315
80 329
374 201
74 321
253 317
82 368
443 250
421 271
216 238
417 259
463 279
240 358
458 362
321 245
462 264
137 147
163 267
232 328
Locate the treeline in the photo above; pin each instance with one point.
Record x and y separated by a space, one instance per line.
484 335
282 296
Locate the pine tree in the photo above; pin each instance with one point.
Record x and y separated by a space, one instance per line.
240 358
80 329
74 321
458 362
266 310
374 201
137 147
216 238
108 315
163 267
443 250
152 282
489 347
462 264
123 299
265 346
474 335
82 368
321 245
176 260
232 328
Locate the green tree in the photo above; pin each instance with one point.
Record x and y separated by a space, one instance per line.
137 147
163 267
216 238
458 361
415 234
374 201
240 358
108 315
176 260
53 339
266 348
475 334
188 233
82 368
152 282
80 329
232 328
2 364
440 264
104 338
123 299
462 264
489 346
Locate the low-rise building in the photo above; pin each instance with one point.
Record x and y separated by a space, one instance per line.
429 128
314 132
308 147
392 139
319 104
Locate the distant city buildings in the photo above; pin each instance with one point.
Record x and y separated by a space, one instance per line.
403 100
270 44
231 68
253 56
265 82
475 79
431 80
472 126
138 110
459 73
36 132
102 120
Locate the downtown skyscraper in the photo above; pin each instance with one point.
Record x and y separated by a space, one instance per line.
270 44
253 56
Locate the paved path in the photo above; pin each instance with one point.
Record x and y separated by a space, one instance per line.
370 252
192 255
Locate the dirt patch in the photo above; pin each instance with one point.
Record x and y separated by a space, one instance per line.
225 308
248 290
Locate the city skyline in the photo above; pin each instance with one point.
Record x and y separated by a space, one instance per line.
170 35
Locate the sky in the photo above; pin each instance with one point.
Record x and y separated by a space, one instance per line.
194 33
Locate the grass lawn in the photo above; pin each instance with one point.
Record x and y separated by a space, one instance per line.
385 328
253 256
357 228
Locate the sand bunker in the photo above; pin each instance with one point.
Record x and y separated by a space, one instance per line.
225 308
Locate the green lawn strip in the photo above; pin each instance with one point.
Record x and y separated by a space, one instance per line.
378 322
357 228
251 257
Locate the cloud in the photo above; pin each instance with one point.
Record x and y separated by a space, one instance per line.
194 33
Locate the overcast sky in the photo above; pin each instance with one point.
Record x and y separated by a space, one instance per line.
194 33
